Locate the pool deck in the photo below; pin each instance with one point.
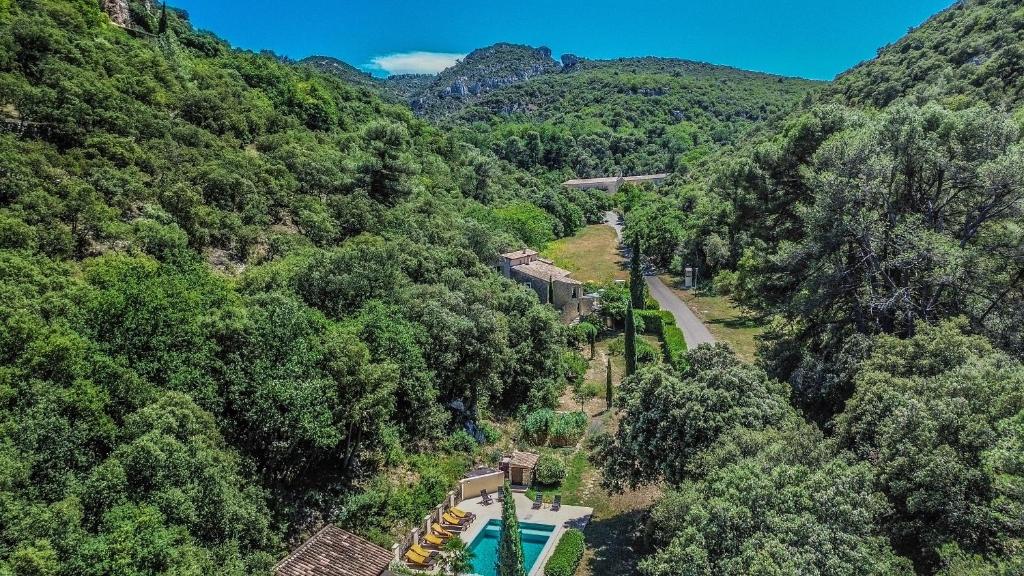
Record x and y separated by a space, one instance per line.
563 519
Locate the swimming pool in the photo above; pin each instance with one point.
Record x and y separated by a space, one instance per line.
485 545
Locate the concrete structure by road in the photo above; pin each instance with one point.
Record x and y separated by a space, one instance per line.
613 183
694 331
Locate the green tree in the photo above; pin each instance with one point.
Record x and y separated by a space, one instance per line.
630 336
773 501
938 417
669 418
387 163
608 382
589 333
636 277
456 557
510 561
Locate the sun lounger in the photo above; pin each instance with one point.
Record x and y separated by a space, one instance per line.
422 551
449 520
538 502
485 498
557 502
440 531
418 560
464 518
459 513
434 540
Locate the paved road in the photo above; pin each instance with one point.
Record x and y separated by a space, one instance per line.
694 331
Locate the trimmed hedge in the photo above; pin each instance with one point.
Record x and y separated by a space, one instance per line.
567 555
662 324
672 341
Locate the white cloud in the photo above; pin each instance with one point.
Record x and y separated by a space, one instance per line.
414 62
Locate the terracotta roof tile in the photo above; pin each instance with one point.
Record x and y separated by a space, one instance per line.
335 552
543 271
523 459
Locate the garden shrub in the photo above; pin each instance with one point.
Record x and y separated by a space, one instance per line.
725 282
651 320
459 441
537 425
567 554
575 366
550 469
567 428
646 353
546 426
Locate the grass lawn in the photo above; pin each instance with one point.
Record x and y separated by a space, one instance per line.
727 322
592 255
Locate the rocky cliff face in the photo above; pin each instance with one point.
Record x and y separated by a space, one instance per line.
118 11
482 71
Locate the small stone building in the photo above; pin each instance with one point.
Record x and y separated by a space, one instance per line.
519 467
336 552
565 292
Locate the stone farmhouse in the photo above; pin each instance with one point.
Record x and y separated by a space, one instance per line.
549 282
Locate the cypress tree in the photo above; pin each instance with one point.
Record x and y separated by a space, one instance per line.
551 290
510 546
630 341
163 19
608 382
636 278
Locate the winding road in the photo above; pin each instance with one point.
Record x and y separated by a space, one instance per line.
694 331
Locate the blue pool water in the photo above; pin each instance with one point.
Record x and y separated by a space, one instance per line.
485 545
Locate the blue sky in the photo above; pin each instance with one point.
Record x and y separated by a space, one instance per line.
808 38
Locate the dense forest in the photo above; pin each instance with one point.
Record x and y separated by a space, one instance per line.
628 116
241 296
590 118
877 230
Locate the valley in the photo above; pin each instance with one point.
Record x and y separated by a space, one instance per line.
285 317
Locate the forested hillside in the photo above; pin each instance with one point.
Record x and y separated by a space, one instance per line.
969 53
878 231
239 298
629 116
591 118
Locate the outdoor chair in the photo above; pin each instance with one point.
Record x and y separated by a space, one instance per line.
538 502
418 560
450 520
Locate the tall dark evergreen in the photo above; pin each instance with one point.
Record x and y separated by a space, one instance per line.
608 382
163 18
630 341
636 277
511 561
551 290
